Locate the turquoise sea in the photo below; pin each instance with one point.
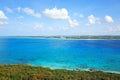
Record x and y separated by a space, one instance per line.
101 55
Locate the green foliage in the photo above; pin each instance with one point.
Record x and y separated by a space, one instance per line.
27 72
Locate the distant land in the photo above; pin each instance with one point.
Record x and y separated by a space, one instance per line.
74 37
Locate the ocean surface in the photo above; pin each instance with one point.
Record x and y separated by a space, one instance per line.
103 55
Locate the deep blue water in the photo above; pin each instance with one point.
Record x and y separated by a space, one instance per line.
101 55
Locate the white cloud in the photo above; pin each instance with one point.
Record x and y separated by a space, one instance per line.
81 16
93 20
31 12
38 25
55 13
73 23
3 16
60 14
8 10
109 19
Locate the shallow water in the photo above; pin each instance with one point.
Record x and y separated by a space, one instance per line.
101 55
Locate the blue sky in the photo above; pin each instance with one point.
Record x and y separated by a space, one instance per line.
59 17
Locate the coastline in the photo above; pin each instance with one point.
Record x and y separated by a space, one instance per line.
87 69
28 72
68 69
59 38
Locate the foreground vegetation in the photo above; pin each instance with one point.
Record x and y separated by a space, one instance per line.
27 72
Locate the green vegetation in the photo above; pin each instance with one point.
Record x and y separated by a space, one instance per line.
27 72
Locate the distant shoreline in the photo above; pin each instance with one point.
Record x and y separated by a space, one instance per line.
69 37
